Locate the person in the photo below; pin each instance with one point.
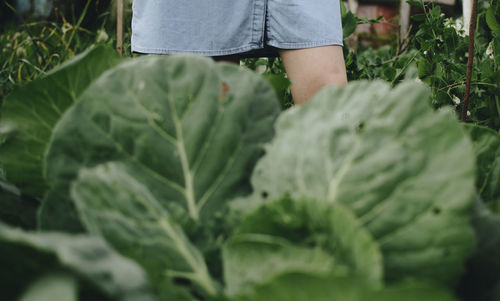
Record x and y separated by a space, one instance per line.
306 34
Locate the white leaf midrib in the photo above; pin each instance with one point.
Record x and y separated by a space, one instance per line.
188 176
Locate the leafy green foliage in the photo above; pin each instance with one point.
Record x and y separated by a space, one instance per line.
86 259
487 149
297 236
192 128
319 225
30 113
138 225
444 63
383 63
367 197
435 52
31 47
281 85
274 71
16 209
492 18
52 287
303 286
482 281
349 21
387 170
253 259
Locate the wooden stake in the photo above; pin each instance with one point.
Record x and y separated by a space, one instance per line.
470 60
119 26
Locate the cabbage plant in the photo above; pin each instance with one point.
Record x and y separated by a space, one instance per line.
186 182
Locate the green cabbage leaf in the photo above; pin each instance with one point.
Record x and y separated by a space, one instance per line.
288 236
30 113
310 286
192 130
119 208
16 209
27 257
405 171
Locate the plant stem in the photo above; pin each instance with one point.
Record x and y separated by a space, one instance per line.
77 26
404 69
463 83
470 60
403 45
426 14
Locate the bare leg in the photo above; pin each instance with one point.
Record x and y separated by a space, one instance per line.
311 69
235 59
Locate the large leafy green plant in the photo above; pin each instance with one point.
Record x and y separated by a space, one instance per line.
139 225
291 234
385 155
192 129
360 189
74 260
29 114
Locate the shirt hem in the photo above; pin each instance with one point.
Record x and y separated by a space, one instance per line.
303 45
239 50
230 51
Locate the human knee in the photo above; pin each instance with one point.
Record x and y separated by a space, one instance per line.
306 87
333 77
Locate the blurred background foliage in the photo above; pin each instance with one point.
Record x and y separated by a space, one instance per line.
37 35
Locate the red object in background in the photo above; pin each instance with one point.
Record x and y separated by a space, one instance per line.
388 23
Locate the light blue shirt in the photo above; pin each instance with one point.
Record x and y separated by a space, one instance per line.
223 27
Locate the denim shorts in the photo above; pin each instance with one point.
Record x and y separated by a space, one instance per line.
223 27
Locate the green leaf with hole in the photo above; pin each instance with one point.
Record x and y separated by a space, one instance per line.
406 172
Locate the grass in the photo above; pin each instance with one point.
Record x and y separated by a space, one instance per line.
31 48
